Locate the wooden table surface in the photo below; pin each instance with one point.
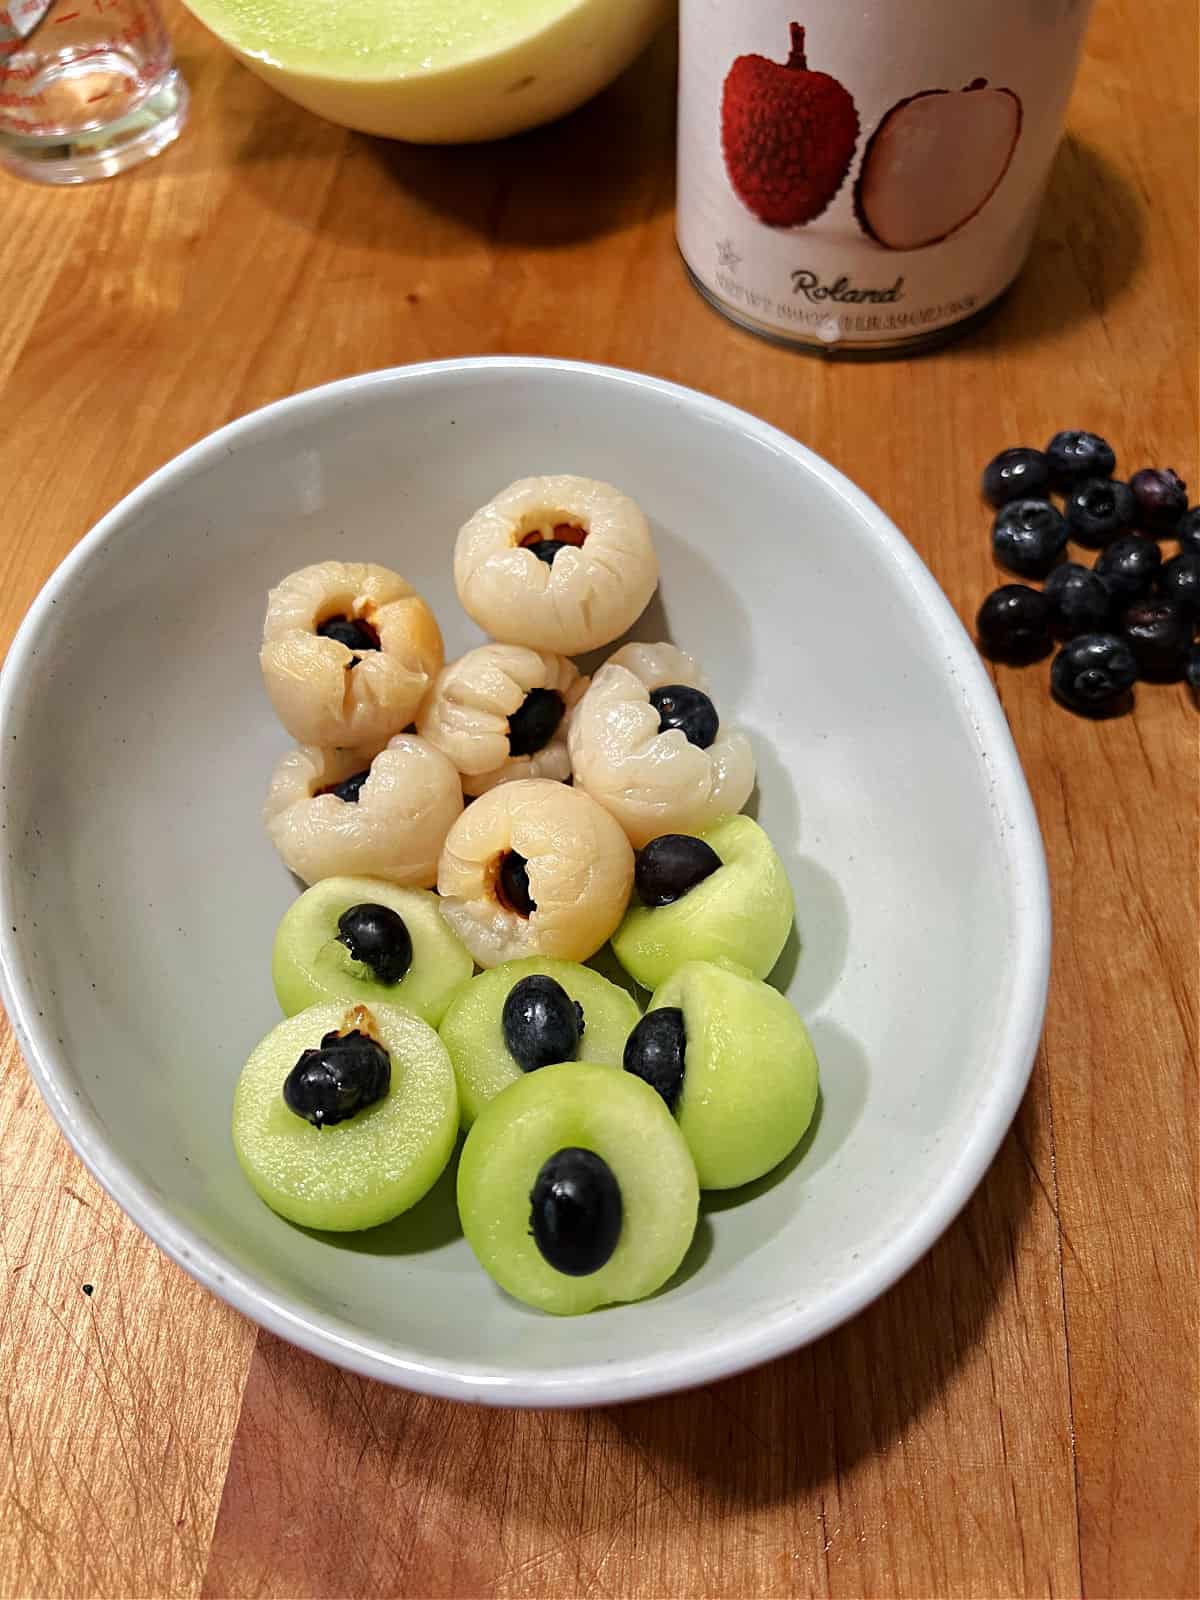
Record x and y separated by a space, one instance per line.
1018 1416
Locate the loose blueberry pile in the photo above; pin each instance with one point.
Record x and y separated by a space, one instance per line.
1132 615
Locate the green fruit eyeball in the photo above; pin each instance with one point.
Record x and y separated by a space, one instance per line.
576 1189
473 1027
744 1087
742 911
369 1164
323 951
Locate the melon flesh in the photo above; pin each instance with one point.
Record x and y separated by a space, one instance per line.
934 162
434 73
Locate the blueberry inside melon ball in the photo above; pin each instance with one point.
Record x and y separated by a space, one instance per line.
363 940
525 1015
733 1062
722 892
576 1189
345 1115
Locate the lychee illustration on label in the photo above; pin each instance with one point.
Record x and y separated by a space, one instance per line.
934 162
788 135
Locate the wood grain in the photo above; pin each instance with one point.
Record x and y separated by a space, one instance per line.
1018 1416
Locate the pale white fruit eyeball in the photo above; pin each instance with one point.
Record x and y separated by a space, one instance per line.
597 585
406 805
579 866
652 781
501 713
327 692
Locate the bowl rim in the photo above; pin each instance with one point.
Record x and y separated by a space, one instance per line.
595 1383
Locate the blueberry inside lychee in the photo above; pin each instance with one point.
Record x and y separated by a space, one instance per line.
671 865
535 721
541 1023
512 884
576 1211
690 710
345 1074
564 536
349 788
655 1052
353 632
378 937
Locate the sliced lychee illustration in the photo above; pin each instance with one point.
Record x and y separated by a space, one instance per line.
934 162
788 135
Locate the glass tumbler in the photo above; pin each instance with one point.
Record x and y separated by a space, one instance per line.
87 88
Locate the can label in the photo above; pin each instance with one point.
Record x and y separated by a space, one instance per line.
868 174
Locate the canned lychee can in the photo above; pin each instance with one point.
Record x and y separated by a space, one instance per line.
866 178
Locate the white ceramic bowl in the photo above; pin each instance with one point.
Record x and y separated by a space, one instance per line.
139 895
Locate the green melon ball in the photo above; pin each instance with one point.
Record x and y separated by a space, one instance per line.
749 1084
373 1165
742 911
472 1029
576 1106
310 964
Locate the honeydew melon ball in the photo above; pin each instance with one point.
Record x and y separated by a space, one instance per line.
749 1084
376 1163
473 1028
311 964
741 912
568 1108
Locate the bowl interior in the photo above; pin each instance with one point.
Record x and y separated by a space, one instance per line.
140 893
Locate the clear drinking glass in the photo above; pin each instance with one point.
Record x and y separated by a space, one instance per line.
87 87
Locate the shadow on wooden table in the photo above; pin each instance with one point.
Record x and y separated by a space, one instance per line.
605 167
783 1430
419 1497
1089 244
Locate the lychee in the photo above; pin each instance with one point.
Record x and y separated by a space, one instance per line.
788 135
934 162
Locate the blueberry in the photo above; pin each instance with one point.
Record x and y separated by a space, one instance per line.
1191 666
576 1211
690 710
1187 531
541 1022
669 866
546 549
351 632
512 884
1161 496
377 936
347 1073
535 721
654 1052
1129 567
1092 673
1159 634
1098 509
1014 623
1080 600
1073 455
1028 536
1016 474
1180 579
350 788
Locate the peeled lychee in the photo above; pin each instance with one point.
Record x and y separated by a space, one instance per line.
934 162
788 135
